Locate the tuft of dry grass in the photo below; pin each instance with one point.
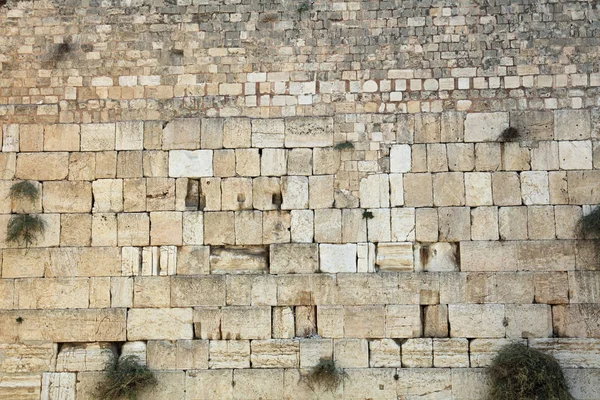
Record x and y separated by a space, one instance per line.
589 225
325 375
24 229
24 190
124 378
509 135
519 372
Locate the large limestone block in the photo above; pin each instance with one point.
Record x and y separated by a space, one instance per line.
394 256
402 321
336 258
197 291
229 354
320 193
284 324
534 187
162 323
258 384
302 226
469 383
58 386
384 353
193 164
583 187
418 190
28 357
52 293
583 383
427 128
451 353
424 383
129 135
448 189
575 154
84 357
93 325
83 261
576 320
454 224
246 323
193 260
209 384
375 191
151 291
436 257
133 229
379 227
67 197
534 125
400 158
166 228
181 133
294 190
351 353
403 224
61 137
219 228
308 132
572 124
300 161
326 161
331 321
366 289
328 225
313 350
417 353
435 321
275 353
418 288
297 387
368 383
584 287
273 162
236 194
207 323
476 320
237 133
239 260
485 127
42 166
98 137
528 320
137 349
571 353
364 321
294 258
20 386
170 384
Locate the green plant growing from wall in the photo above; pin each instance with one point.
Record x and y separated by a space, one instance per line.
124 378
24 229
344 146
304 6
368 215
24 190
325 375
589 225
519 372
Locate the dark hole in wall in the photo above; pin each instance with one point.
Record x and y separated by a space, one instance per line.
192 197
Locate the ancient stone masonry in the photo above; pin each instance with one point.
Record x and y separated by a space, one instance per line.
233 190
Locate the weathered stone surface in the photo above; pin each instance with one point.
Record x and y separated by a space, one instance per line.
384 353
185 163
308 132
257 384
425 383
20 386
238 260
570 353
164 324
42 166
246 323
59 385
181 133
336 258
84 357
576 320
395 256
402 321
197 291
485 127
50 293
417 353
27 357
293 258
275 353
476 320
93 325
436 257
572 124
453 353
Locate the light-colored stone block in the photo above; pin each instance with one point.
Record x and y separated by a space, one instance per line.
336 258
308 132
186 163
476 320
98 137
159 324
394 256
400 158
181 133
485 127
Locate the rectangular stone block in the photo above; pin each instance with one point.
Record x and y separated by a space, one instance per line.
159 324
293 258
576 320
229 354
483 351
209 384
27 357
275 353
240 260
197 291
50 293
394 256
451 353
98 137
308 132
417 353
476 320
93 325
336 258
42 166
485 127
193 164
246 323
402 321
84 357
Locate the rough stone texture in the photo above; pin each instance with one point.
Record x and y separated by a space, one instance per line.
248 193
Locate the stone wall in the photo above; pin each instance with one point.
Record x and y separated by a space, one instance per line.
235 189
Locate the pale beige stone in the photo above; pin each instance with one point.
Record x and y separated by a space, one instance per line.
246 323
166 228
418 190
283 323
20 386
461 156
326 161
572 124
417 353
208 290
181 133
454 224
106 164
576 320
448 189
276 227
478 189
302 226
294 192
98 137
512 223
476 320
133 229
320 192
483 351
485 127
313 350
416 383
84 357
104 229
151 292
451 353
308 132
212 133
351 353
488 156
293 258
402 321
275 353
300 161
394 256
61 137
256 384
39 166
134 195
58 385
435 321
368 383
224 163
384 353
50 293
93 325
31 138
364 321
266 193
129 164
484 223
237 133
273 162
426 224
209 384
247 162
379 227
27 357
427 128
161 324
